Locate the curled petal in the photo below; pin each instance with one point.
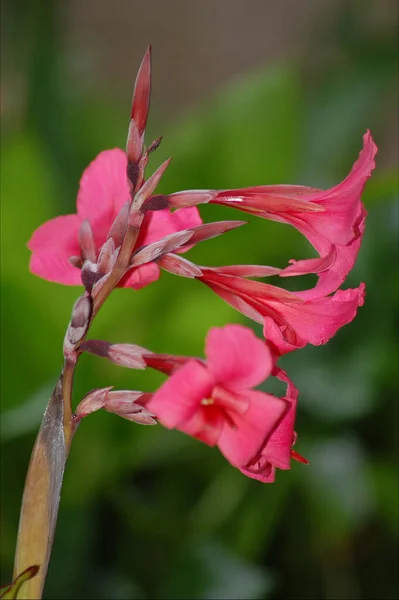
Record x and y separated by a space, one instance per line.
240 443
330 215
277 449
317 321
332 267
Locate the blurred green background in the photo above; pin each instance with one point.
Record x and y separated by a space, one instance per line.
244 94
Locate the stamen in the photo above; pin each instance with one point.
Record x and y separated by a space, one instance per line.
207 401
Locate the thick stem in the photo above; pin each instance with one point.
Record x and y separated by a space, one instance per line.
43 483
67 382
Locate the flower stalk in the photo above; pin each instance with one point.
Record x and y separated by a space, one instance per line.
122 236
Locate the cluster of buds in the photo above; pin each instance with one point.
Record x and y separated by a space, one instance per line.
124 233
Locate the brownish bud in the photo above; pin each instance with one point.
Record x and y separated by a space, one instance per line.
81 315
151 252
86 242
176 264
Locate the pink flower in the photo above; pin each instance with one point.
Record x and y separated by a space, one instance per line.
277 452
289 321
215 402
333 220
103 192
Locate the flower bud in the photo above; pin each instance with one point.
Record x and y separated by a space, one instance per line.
79 323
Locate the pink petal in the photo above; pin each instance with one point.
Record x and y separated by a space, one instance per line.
59 235
140 276
163 222
165 363
289 322
247 270
237 358
180 396
274 336
103 191
237 302
333 266
206 425
52 244
241 443
268 476
277 450
247 287
316 321
329 214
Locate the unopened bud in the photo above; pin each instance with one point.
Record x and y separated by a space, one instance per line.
79 323
158 202
127 355
141 93
118 227
191 198
176 264
119 402
86 242
149 186
106 258
167 244
89 275
124 355
92 402
208 231
75 261
134 148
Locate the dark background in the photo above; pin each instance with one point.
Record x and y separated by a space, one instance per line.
244 93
